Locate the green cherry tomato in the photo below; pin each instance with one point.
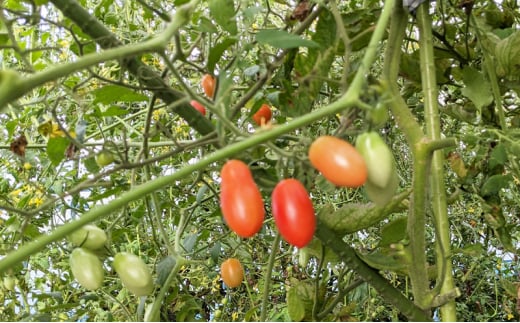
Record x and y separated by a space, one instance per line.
89 236
104 158
134 273
381 196
378 158
86 268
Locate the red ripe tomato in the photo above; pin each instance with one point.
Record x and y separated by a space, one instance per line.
240 199
208 85
232 272
199 107
293 212
263 115
338 161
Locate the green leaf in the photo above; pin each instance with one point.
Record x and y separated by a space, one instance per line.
216 52
477 88
206 25
214 252
56 149
224 14
190 241
114 111
283 39
295 305
494 184
498 157
164 268
393 232
116 93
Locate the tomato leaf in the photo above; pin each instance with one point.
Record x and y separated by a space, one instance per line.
214 252
164 268
498 157
216 52
56 149
477 87
190 241
494 184
295 305
283 39
224 14
114 93
393 232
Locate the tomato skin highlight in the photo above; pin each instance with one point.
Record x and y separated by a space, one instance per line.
86 268
338 161
134 273
208 85
293 212
263 115
240 199
232 272
199 107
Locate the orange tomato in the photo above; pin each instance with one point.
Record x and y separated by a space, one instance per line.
232 272
263 115
338 161
240 199
208 85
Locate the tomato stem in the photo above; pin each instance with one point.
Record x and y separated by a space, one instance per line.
268 271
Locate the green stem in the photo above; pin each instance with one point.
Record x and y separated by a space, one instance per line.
438 189
268 275
369 274
156 307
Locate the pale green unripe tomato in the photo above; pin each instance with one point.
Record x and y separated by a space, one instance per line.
89 236
378 158
134 273
86 268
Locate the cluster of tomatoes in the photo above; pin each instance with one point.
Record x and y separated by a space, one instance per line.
261 117
369 163
87 268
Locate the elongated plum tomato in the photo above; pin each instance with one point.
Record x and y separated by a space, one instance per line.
134 273
338 161
199 107
240 199
263 115
378 158
89 236
86 268
208 85
232 272
293 212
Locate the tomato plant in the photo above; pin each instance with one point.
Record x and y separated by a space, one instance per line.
263 115
134 273
89 236
338 161
240 199
232 272
208 85
86 268
199 107
293 212
378 158
104 158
